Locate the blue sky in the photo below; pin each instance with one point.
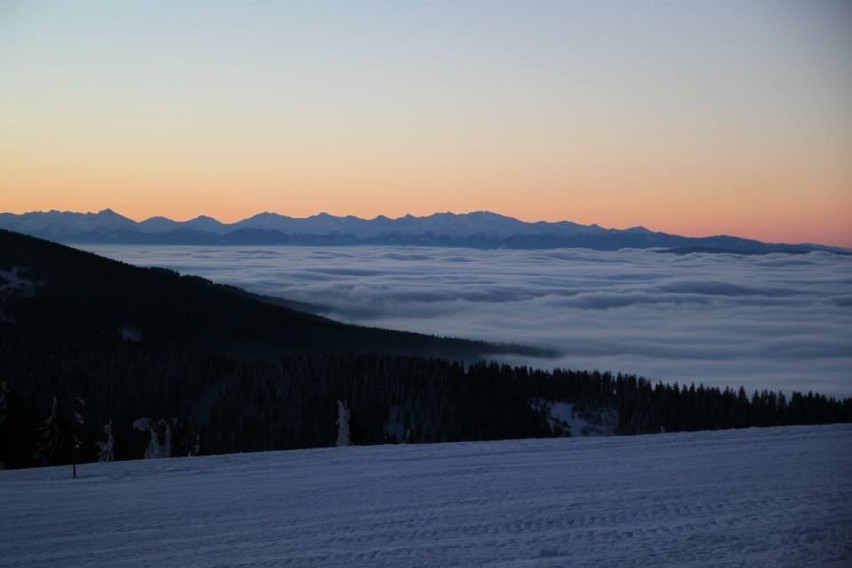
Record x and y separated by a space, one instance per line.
693 117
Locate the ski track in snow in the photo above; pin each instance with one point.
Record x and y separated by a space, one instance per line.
759 497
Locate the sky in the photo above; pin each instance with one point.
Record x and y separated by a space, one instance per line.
697 118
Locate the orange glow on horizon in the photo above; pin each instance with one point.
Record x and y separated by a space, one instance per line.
700 121
703 218
752 202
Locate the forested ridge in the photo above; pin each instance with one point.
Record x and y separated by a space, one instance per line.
211 404
133 362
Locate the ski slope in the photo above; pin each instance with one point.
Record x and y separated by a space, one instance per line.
760 497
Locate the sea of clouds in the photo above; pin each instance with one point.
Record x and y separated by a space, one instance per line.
766 321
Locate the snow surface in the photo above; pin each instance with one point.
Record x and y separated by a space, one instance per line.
565 418
760 497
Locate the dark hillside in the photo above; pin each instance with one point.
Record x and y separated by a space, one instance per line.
78 296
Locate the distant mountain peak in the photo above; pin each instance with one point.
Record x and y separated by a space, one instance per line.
636 229
488 215
266 215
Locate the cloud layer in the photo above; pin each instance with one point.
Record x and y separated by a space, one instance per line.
775 321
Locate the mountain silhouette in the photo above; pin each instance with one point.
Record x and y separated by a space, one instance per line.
52 292
482 230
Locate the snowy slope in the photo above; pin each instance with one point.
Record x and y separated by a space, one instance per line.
768 497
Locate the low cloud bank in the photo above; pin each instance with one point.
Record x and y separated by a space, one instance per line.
775 321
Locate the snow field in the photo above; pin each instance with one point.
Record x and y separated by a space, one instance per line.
758 497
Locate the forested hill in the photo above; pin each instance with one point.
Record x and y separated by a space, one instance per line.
139 362
52 292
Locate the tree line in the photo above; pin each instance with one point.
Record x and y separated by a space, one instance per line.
141 401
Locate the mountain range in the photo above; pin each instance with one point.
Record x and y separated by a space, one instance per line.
483 230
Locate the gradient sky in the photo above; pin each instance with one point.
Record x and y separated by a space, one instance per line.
689 117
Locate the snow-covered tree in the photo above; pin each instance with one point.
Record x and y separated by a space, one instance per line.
157 429
105 447
48 437
343 424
